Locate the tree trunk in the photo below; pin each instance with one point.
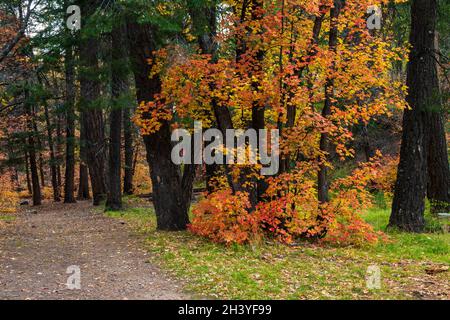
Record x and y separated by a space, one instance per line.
438 188
83 186
36 188
171 190
59 149
408 204
39 148
69 183
119 89
53 169
27 170
92 113
128 141
325 148
258 107
368 151
438 166
40 161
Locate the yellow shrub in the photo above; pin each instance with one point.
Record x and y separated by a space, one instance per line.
9 199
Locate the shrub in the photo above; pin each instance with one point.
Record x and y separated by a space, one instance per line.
351 199
224 218
291 211
8 198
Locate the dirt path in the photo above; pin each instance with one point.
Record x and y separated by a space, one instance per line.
37 249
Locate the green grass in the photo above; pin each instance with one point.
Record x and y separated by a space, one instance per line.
433 246
273 271
7 217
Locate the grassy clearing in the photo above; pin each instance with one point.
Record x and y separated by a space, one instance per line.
272 271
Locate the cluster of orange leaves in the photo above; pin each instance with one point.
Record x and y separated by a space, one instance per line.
9 198
291 211
385 181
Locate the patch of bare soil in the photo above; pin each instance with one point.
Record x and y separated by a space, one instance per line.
38 247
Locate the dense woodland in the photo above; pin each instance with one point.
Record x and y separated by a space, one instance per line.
87 114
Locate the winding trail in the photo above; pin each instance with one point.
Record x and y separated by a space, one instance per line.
38 247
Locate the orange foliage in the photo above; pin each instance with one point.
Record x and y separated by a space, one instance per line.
9 199
385 181
293 213
287 75
224 217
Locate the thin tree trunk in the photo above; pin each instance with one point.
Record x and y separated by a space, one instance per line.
410 190
39 147
27 170
136 156
59 147
41 162
119 89
69 183
128 141
368 150
258 107
53 169
323 183
36 188
83 186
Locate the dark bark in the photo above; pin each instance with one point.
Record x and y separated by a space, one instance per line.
114 198
96 155
69 178
40 157
59 149
410 190
368 150
92 113
27 170
128 146
172 190
53 168
83 186
36 188
325 148
136 156
39 148
258 107
438 188
119 89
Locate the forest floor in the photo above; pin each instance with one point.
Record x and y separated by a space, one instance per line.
122 256
38 245
412 266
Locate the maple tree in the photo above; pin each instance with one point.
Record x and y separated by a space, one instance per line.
298 66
